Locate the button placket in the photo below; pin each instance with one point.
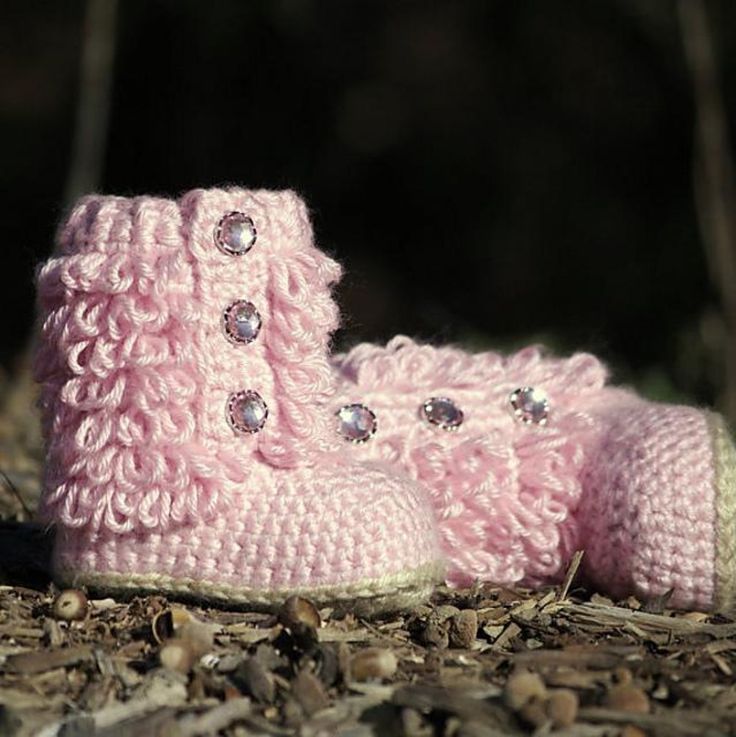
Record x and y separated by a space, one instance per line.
246 410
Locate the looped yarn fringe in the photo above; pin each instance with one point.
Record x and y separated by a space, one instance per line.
122 357
505 497
303 318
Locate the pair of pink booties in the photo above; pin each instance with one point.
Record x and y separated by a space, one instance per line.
202 442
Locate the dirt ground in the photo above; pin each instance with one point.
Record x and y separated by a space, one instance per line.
480 662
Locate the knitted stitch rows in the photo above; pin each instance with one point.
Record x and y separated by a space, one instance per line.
647 490
145 475
503 491
648 518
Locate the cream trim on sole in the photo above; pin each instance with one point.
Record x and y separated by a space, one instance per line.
724 453
366 598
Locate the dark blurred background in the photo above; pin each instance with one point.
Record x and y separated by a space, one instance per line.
491 173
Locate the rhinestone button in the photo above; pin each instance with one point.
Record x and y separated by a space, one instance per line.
443 412
235 234
530 405
247 412
356 423
242 321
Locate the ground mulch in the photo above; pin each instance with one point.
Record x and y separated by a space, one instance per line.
479 662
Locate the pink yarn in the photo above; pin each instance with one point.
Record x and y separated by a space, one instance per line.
648 519
150 487
631 482
144 472
503 491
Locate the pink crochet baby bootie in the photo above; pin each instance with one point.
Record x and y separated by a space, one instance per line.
185 376
528 458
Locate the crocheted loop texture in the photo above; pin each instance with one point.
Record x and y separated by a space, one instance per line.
134 386
322 532
650 520
503 492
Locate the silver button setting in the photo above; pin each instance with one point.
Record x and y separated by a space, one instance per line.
442 412
246 412
530 405
235 234
356 423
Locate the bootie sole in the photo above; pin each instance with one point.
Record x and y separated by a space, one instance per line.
366 598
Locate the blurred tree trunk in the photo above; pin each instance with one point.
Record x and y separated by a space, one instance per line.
93 106
715 193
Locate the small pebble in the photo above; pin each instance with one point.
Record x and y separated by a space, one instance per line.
70 605
373 663
297 611
628 698
463 629
562 707
522 687
534 712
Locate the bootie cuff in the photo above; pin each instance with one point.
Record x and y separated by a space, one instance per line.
168 355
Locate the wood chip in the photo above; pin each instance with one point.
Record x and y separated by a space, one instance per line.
440 669
254 680
309 692
505 638
39 661
214 720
